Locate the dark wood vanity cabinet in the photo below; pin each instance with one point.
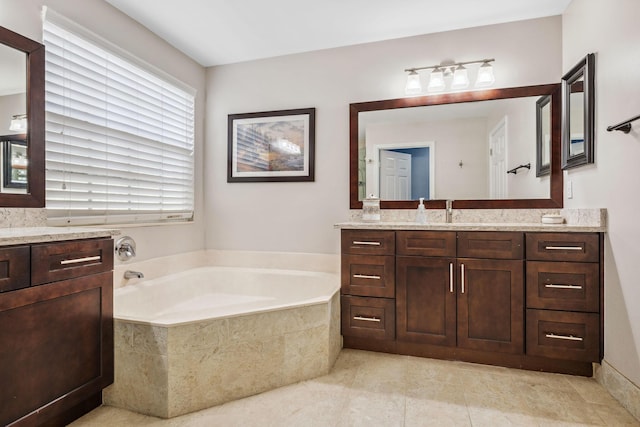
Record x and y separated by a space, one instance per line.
516 299
56 334
473 302
368 284
564 296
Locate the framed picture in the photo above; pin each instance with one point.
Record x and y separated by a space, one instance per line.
14 163
543 136
273 146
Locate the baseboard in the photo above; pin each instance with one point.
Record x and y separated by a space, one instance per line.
620 387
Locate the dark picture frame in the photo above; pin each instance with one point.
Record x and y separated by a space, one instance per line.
578 105
543 136
271 146
14 161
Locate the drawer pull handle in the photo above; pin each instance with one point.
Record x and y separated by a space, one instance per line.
79 260
563 248
563 286
564 337
366 276
360 242
451 277
462 277
367 319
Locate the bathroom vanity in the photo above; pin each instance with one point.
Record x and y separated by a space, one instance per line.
56 323
518 296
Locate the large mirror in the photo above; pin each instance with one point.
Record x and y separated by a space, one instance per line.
476 148
578 109
21 120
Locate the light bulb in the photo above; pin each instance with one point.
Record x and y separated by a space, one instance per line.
413 86
436 81
485 75
460 78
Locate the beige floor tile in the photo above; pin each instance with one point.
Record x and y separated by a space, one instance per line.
441 413
377 389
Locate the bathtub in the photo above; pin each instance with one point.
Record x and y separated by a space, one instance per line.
198 338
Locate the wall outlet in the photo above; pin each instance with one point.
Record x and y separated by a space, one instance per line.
569 189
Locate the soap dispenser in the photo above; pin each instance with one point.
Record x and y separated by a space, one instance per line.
421 215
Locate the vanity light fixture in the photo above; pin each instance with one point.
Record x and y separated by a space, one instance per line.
460 78
18 123
485 75
413 83
459 72
436 81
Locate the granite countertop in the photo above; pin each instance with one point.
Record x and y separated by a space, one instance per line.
574 220
25 235
470 226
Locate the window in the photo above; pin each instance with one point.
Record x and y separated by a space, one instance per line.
119 135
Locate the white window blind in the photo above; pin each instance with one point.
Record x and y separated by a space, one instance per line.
119 138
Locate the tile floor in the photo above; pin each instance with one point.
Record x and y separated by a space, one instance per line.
377 389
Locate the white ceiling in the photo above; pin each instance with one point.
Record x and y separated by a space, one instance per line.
215 32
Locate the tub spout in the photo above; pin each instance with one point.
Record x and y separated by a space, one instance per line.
130 274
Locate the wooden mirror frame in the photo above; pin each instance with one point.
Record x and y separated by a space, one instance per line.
585 69
541 169
35 196
556 195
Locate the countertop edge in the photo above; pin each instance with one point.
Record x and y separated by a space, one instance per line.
471 227
28 235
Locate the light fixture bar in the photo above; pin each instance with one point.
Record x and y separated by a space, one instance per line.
460 76
452 65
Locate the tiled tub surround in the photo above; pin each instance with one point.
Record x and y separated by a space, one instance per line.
166 370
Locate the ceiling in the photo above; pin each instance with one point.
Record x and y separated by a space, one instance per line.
215 32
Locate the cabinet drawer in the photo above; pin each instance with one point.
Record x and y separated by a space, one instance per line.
563 335
426 243
372 276
368 317
573 286
14 268
579 247
368 242
490 244
51 262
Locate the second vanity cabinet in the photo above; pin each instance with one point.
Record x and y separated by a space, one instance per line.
56 330
518 299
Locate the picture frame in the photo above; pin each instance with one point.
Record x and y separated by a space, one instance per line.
543 136
14 162
271 146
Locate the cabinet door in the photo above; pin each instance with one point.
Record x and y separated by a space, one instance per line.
426 300
56 347
491 305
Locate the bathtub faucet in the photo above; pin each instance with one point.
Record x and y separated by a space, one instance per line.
130 274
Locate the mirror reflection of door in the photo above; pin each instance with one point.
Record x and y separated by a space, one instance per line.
395 175
576 119
498 161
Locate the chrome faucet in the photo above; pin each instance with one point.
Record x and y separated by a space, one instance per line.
125 248
449 211
130 274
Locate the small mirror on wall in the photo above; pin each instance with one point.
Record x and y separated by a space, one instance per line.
543 136
578 107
